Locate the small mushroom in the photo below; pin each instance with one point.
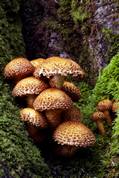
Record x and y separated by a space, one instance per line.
34 117
72 133
29 87
105 106
56 68
72 114
53 102
98 117
72 90
18 69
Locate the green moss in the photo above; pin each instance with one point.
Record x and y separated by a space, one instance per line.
18 155
113 41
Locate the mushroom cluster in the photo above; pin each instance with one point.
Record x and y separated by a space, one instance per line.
42 84
106 110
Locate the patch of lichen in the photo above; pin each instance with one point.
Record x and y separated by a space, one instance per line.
18 156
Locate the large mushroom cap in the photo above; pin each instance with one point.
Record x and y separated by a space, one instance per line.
72 90
59 66
51 99
37 62
74 134
104 105
18 68
29 85
34 117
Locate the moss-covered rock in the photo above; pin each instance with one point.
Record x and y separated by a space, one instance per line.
18 156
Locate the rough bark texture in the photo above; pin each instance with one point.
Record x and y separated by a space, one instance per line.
87 31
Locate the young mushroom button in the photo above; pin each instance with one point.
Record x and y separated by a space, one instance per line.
98 117
105 106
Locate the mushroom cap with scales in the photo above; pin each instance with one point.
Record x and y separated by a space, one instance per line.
33 117
72 90
51 99
29 86
59 66
74 134
18 68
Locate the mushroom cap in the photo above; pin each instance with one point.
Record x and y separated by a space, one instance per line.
34 117
104 105
74 134
37 62
98 115
72 114
29 85
72 90
18 68
51 99
57 65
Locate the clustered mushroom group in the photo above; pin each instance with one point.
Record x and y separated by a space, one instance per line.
106 110
49 98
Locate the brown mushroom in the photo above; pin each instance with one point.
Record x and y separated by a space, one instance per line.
72 114
53 102
74 133
105 106
56 68
72 90
18 69
98 117
34 117
29 87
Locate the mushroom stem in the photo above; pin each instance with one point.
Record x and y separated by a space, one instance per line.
57 81
108 117
30 99
100 127
54 117
66 150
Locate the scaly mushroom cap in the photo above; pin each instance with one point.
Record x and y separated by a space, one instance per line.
37 62
74 134
104 105
34 117
29 85
18 68
59 66
72 90
52 99
72 114
98 116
